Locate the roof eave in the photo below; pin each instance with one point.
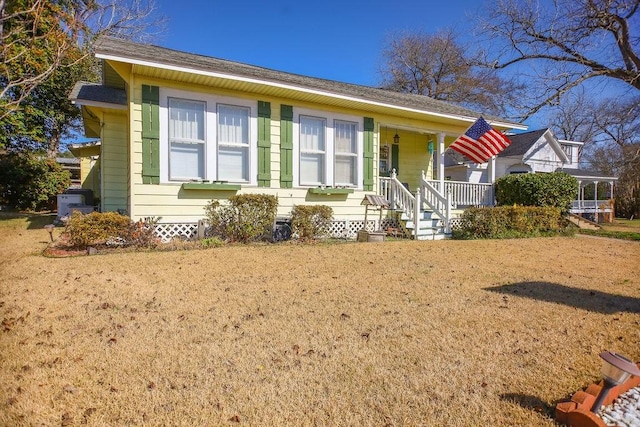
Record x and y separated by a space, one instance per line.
98 104
555 145
298 88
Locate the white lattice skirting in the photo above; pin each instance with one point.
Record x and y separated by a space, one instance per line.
167 232
339 229
455 223
348 229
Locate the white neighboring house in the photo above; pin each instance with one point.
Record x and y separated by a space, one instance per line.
535 152
529 152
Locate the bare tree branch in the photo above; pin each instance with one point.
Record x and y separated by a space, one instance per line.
587 39
37 36
436 65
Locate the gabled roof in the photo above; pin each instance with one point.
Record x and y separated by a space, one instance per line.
156 57
96 94
522 142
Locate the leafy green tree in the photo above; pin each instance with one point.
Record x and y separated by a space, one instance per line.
29 181
45 48
46 115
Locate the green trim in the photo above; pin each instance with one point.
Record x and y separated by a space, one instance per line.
368 154
395 157
286 146
330 191
210 186
264 144
150 134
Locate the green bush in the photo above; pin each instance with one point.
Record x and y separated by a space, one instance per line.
247 217
310 222
556 189
510 221
97 228
28 182
211 242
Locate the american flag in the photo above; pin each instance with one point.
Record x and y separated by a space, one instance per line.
480 142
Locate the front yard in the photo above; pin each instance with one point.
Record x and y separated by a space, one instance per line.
395 333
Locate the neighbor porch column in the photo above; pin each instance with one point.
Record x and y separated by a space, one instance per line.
595 198
441 161
613 202
611 189
579 195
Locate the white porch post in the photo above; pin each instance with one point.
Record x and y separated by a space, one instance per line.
611 190
492 170
595 198
492 178
416 215
579 194
441 161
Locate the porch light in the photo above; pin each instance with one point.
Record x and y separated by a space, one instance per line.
616 369
396 138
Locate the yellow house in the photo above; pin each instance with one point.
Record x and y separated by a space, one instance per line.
89 155
178 129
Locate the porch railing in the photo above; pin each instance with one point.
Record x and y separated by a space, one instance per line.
582 206
398 196
438 202
466 193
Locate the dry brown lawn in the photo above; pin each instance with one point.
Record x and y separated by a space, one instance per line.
402 333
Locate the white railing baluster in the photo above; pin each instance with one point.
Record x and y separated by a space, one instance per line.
466 193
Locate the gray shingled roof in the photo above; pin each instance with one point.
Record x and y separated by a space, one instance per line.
96 92
125 49
521 143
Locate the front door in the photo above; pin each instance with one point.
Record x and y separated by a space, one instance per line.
389 155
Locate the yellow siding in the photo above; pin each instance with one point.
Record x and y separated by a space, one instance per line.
176 205
413 158
90 174
172 204
114 192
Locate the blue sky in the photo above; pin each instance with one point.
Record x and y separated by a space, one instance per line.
337 40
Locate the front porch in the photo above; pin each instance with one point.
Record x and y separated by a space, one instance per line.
433 209
412 178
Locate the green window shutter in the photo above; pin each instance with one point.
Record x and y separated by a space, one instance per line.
150 134
395 149
368 154
286 146
264 144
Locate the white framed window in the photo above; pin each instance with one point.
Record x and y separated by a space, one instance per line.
328 149
312 150
233 143
346 153
186 139
207 137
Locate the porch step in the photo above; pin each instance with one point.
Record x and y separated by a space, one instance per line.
583 222
429 226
